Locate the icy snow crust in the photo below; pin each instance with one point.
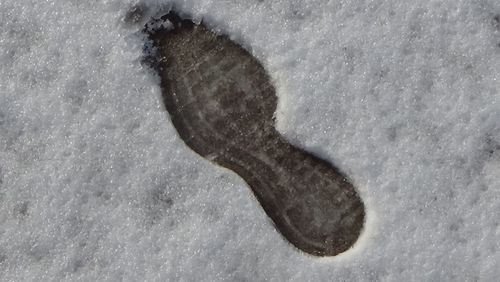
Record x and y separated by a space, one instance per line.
95 184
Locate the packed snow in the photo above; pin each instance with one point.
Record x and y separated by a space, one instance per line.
403 96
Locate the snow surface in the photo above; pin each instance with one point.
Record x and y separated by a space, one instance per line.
95 184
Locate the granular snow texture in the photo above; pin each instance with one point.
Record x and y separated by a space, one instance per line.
95 183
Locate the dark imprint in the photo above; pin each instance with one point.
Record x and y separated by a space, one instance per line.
221 102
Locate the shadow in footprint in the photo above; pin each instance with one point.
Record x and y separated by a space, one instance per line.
221 102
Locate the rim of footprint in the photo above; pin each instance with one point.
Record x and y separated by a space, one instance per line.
222 102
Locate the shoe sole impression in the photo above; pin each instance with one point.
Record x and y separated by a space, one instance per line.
221 102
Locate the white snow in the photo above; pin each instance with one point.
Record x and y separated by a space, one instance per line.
95 184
